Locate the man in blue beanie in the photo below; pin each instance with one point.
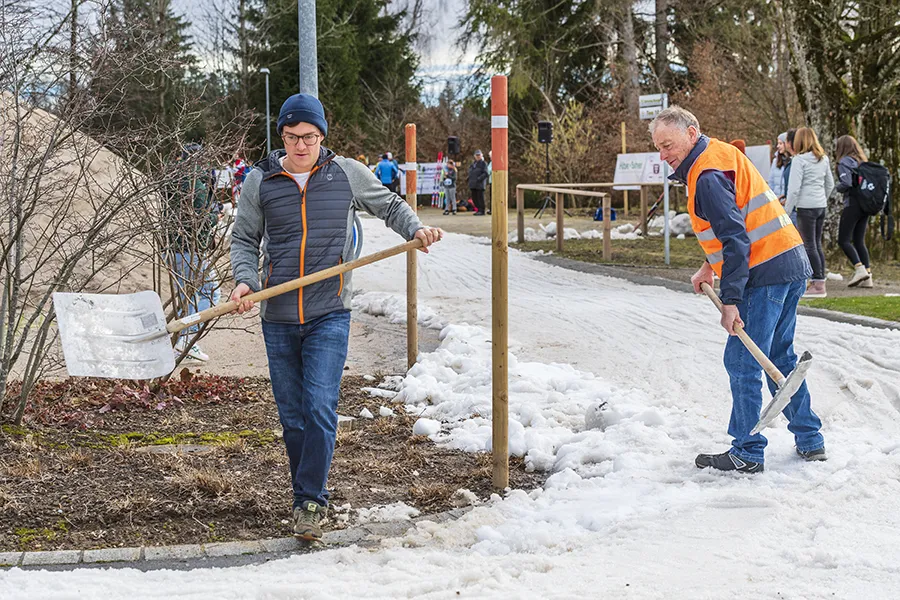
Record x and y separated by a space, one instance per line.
298 205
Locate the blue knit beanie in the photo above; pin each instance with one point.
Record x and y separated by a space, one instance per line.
302 108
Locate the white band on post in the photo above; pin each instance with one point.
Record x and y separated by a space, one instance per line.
499 122
411 166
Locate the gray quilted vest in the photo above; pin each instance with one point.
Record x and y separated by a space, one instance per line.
305 231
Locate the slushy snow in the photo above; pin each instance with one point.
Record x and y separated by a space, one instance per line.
624 513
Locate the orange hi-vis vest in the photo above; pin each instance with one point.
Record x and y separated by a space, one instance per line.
769 228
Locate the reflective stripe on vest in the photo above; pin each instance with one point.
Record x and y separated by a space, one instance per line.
768 227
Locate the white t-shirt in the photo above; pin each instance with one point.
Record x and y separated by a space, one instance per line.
300 178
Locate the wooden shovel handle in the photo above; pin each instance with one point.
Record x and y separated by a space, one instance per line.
761 358
288 286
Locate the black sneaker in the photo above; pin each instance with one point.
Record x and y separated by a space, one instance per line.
728 462
446 212
308 519
817 454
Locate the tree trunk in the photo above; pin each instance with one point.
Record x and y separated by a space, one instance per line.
662 43
809 90
73 51
632 83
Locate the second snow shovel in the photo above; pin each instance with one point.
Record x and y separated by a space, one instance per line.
787 385
125 336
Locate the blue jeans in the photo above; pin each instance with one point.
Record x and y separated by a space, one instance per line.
770 316
188 269
305 364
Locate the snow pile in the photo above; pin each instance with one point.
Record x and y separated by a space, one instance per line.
547 403
548 232
378 392
679 224
398 511
426 427
394 308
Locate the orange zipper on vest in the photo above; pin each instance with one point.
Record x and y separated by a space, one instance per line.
341 287
303 240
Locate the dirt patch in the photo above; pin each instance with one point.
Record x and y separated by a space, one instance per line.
80 474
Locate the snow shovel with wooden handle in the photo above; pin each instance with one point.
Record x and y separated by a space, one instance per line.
787 386
125 336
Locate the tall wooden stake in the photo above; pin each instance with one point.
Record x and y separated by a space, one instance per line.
607 228
560 223
412 310
499 282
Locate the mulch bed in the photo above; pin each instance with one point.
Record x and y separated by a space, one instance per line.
95 466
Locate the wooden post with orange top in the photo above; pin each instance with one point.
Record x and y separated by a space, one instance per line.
412 309
499 281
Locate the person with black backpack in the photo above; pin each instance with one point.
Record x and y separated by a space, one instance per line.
854 221
867 191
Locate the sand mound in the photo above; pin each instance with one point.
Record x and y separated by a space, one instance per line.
71 196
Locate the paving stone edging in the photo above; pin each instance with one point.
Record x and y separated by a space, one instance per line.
363 535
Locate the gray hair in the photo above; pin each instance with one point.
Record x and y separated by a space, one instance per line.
675 116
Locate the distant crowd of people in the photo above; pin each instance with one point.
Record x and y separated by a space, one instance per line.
479 180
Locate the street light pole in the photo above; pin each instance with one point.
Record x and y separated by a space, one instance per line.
265 71
309 63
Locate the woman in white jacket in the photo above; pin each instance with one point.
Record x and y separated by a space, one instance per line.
809 187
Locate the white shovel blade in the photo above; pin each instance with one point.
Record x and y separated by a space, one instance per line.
105 335
783 396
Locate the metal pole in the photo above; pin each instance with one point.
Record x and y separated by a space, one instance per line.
268 115
624 150
309 62
500 283
412 309
666 193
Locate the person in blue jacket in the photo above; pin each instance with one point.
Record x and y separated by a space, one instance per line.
387 173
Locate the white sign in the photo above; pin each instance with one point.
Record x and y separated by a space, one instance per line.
759 156
651 105
637 168
427 178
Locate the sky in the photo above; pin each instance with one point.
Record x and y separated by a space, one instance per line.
440 58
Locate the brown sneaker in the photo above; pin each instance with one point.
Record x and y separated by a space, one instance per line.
308 519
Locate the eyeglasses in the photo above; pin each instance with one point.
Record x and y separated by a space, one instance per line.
309 139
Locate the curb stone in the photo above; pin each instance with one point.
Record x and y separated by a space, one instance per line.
146 555
11 559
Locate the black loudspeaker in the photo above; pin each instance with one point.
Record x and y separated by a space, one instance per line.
452 145
545 132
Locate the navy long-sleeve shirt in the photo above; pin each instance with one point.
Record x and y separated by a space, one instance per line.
715 201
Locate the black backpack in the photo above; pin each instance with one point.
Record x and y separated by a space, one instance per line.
871 187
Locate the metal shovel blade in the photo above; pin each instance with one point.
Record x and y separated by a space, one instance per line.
114 336
784 394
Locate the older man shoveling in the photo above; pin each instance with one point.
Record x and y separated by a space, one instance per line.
758 255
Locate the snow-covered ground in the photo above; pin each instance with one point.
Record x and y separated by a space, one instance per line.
625 513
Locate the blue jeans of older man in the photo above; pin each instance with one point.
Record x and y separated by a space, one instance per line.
770 317
305 364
